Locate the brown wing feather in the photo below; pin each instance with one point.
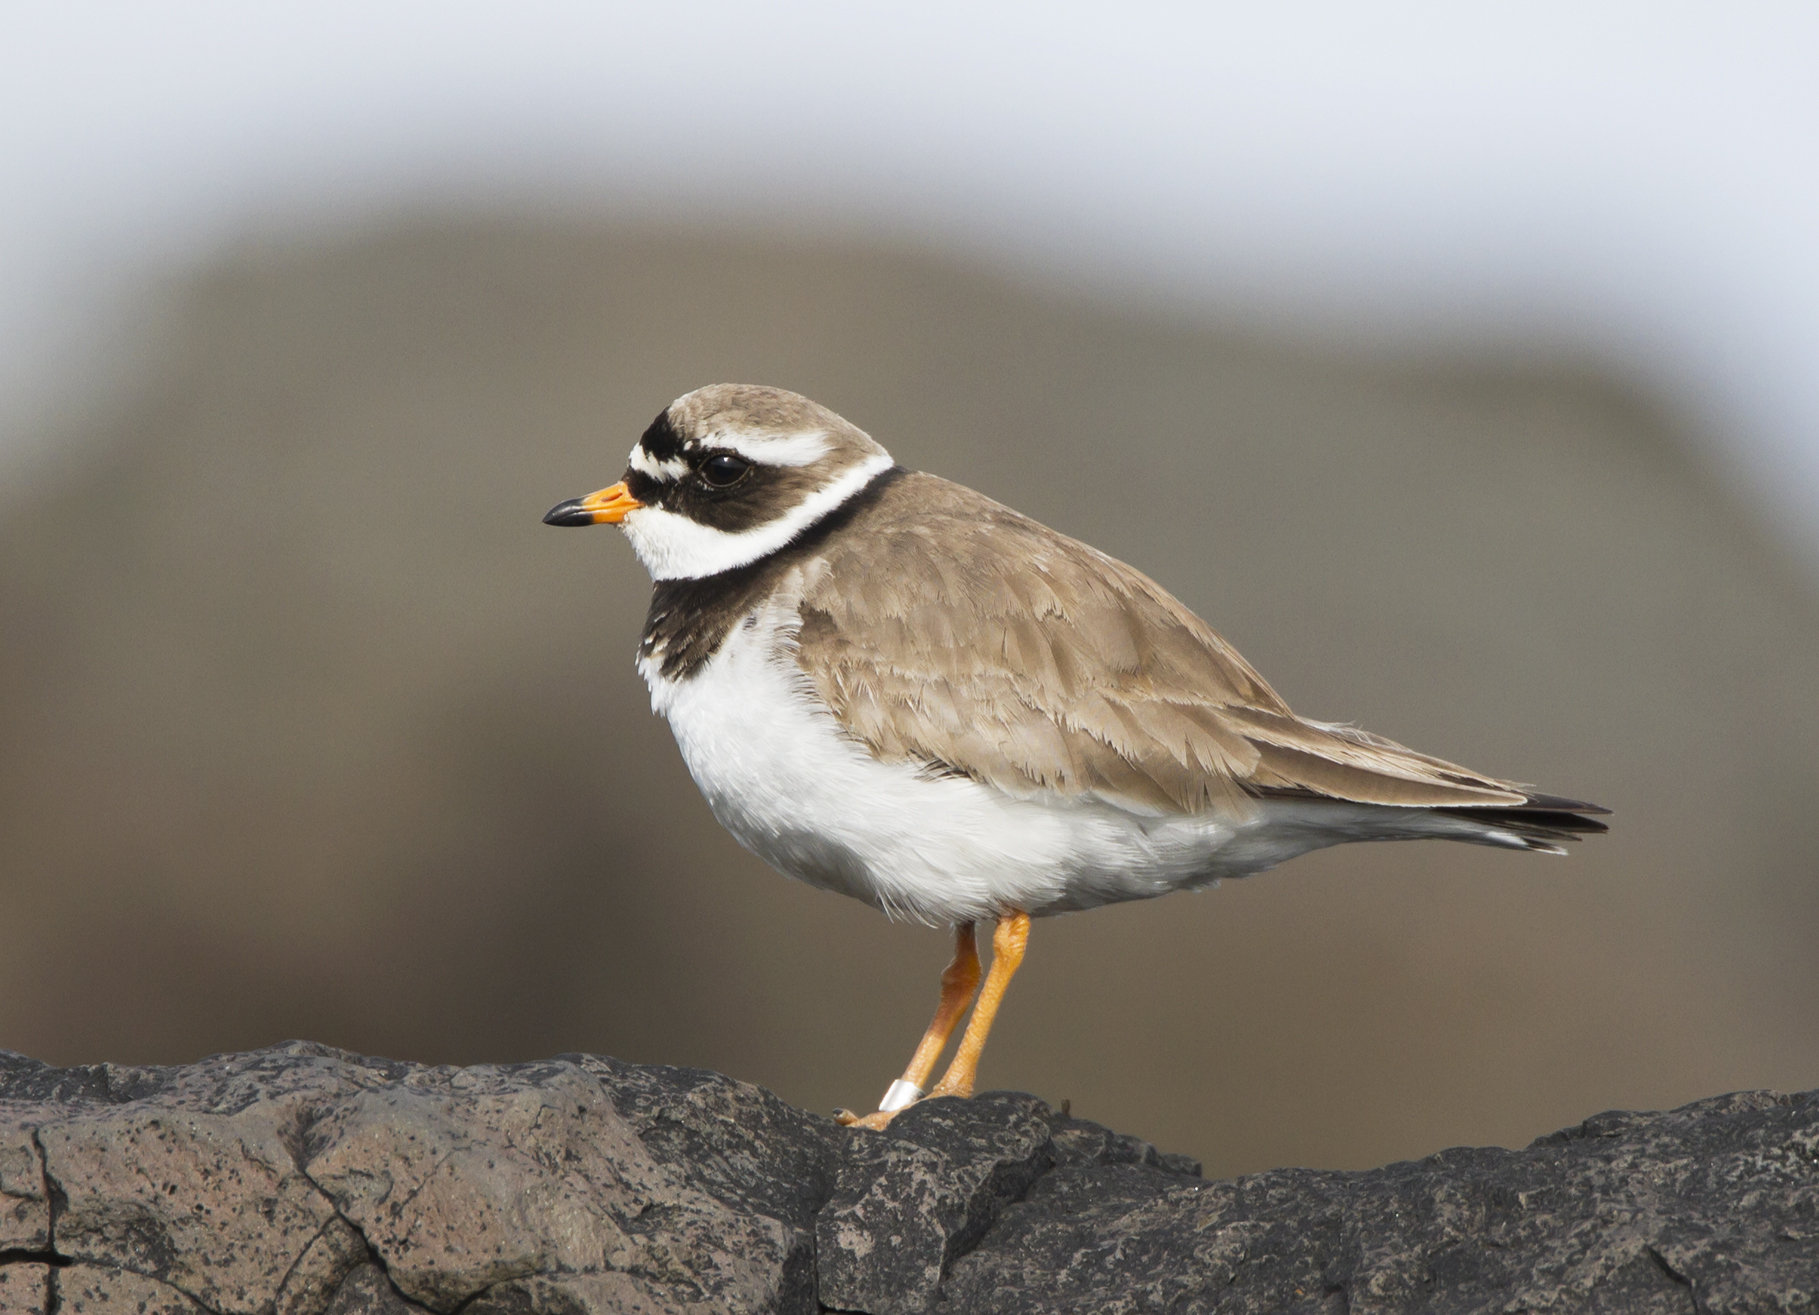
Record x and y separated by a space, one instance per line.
952 631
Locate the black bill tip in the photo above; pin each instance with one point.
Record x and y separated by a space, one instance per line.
569 513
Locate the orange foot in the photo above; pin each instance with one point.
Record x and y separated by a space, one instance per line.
877 1121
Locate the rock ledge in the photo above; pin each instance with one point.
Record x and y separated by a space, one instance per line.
301 1180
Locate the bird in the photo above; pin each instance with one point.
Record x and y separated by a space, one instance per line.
891 686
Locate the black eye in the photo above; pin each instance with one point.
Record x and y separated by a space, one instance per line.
723 471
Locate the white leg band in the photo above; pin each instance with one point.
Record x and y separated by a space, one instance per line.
900 1095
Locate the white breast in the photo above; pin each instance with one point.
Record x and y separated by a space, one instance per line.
792 787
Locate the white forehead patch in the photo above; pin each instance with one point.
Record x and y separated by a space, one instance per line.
802 449
645 464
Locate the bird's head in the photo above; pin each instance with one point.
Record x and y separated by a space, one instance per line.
728 474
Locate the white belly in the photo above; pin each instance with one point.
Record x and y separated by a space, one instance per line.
779 774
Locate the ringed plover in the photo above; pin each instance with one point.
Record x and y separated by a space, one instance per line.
893 687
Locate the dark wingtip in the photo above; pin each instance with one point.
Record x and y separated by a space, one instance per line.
1554 803
568 513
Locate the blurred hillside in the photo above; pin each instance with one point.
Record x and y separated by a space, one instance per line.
309 728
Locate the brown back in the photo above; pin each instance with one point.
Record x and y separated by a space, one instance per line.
952 631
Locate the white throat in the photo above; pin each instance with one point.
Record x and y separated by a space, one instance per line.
674 547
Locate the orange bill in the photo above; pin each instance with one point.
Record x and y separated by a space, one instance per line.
607 507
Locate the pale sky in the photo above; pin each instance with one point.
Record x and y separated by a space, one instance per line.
1638 180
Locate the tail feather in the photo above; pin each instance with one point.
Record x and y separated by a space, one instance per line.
1298 759
1545 824
1545 830
1536 818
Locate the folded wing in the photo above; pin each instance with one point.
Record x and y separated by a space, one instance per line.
972 640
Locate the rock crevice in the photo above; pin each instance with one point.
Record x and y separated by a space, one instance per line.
301 1180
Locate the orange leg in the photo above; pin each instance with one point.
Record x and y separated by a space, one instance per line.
958 982
1009 940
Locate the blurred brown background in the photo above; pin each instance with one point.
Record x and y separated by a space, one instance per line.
309 728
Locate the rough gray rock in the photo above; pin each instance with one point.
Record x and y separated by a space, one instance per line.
301 1180
905 1206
